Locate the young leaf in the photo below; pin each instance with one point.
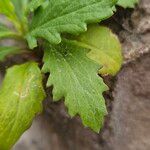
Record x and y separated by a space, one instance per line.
70 16
127 3
105 48
75 78
5 51
21 96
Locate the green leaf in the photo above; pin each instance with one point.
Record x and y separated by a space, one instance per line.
34 4
21 96
20 7
74 77
6 51
7 9
67 16
127 3
105 48
15 10
5 32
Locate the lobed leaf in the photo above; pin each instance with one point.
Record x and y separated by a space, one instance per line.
67 16
21 96
74 77
105 48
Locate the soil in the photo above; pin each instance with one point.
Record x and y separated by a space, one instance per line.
127 127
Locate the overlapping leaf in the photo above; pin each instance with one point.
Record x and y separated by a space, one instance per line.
70 16
21 96
105 48
74 77
127 3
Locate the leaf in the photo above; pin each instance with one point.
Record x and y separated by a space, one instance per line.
5 32
20 7
127 3
67 16
75 78
34 4
14 10
105 48
5 51
7 9
21 96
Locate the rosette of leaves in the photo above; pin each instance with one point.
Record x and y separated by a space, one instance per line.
76 51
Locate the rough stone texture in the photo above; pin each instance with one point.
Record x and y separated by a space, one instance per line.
127 126
130 119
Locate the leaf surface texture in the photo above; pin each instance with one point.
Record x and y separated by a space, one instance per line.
21 96
74 77
67 16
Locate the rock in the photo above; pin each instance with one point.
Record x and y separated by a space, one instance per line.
130 119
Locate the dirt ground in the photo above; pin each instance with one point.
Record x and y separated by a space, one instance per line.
127 126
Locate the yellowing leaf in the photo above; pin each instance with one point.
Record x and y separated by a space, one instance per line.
21 96
105 48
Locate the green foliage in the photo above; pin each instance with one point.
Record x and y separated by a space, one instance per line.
127 3
67 16
105 48
7 9
21 13
73 55
34 4
21 96
15 10
6 51
5 32
74 77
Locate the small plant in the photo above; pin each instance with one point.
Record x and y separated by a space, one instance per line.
74 55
